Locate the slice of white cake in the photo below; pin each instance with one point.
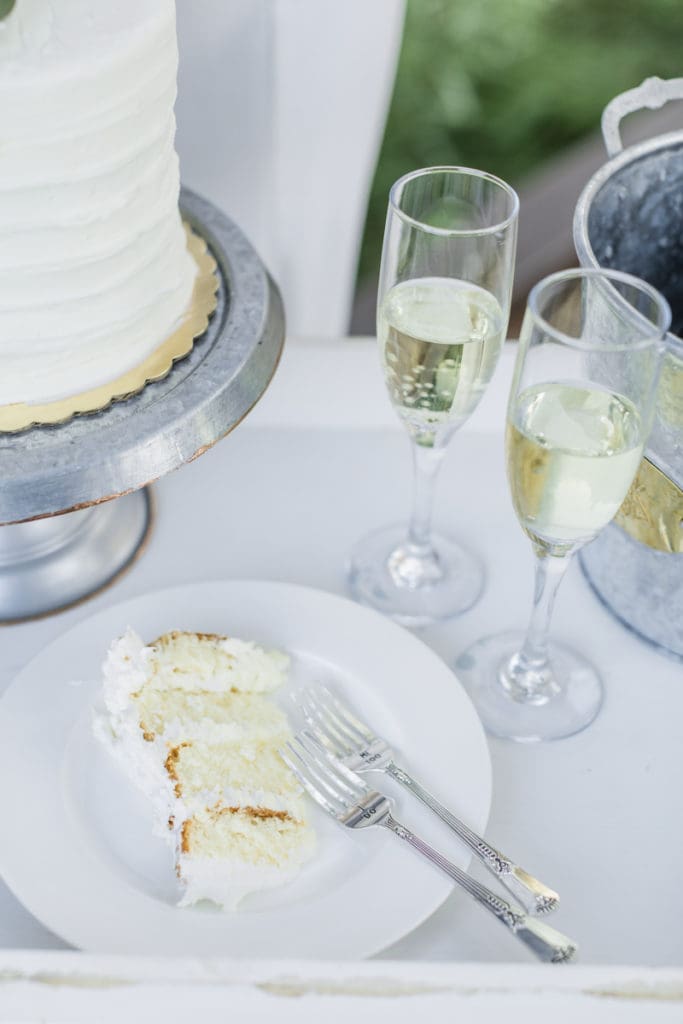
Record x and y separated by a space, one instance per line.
189 718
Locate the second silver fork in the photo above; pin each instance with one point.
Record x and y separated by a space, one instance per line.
361 750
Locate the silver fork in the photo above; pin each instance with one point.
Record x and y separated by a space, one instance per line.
344 795
360 750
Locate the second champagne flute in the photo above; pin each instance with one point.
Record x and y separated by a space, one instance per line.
442 313
580 410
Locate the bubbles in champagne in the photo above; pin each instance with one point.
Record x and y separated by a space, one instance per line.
440 341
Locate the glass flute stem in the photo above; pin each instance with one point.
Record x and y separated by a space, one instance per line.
528 675
426 466
415 563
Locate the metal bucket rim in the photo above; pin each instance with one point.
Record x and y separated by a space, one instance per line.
631 154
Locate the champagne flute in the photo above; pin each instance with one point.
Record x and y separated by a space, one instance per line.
580 410
442 313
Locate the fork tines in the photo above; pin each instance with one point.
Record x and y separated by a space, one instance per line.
324 777
335 723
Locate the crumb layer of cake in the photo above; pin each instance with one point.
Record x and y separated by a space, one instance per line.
192 661
211 716
230 775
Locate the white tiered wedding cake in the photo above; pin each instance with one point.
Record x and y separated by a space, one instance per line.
94 268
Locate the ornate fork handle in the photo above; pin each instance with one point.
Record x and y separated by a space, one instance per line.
534 896
545 942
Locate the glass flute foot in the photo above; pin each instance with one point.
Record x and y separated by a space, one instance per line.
571 694
411 586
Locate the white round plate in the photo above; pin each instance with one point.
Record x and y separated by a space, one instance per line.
77 848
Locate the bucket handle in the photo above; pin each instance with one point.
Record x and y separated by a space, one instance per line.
652 94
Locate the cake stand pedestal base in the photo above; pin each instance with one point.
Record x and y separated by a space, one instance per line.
50 564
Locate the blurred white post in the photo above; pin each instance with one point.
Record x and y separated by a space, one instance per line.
225 108
281 110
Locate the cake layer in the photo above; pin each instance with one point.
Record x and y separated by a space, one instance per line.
224 855
233 776
251 835
237 718
191 661
94 267
197 767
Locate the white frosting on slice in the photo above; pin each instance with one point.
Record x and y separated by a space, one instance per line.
206 878
143 764
94 267
117 726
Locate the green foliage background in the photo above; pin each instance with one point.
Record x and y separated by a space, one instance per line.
505 84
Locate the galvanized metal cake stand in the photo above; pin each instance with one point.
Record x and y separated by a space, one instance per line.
63 538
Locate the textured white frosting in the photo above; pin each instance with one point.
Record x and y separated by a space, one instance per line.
207 879
94 268
117 726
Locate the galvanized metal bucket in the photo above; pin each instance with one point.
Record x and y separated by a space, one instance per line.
630 217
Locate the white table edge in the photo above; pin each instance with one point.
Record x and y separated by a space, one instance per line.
75 983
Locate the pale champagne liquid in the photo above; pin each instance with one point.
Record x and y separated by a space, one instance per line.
572 453
440 341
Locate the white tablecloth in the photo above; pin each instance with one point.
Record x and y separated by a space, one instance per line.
319 462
